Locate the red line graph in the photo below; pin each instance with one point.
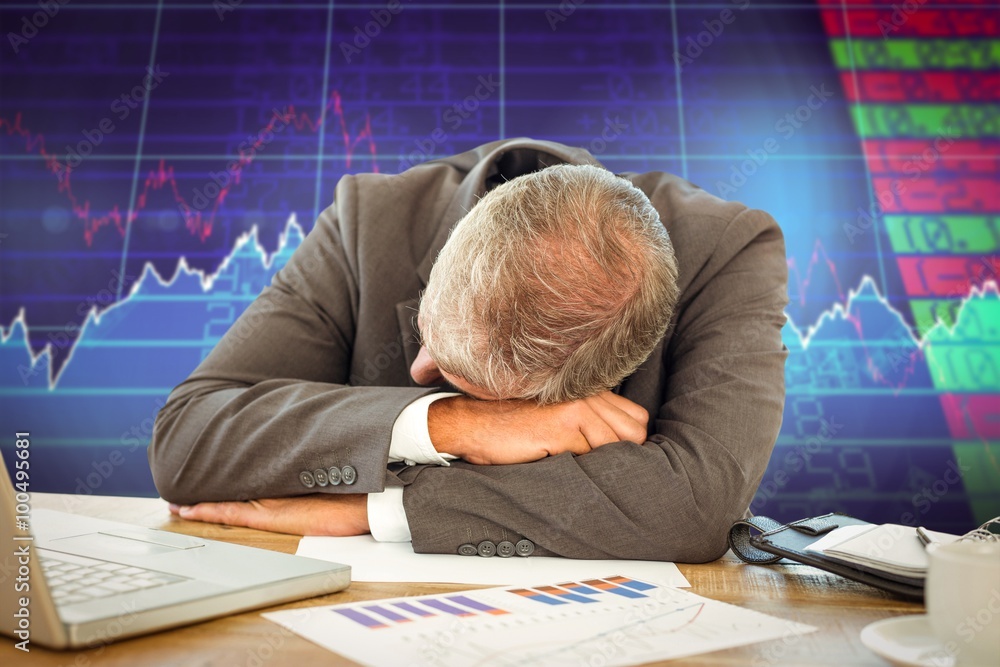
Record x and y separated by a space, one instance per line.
901 357
802 279
199 221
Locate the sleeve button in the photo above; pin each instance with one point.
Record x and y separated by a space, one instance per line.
307 479
524 547
505 549
486 548
321 477
349 475
467 550
334 475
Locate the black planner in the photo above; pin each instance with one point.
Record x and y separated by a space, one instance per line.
789 540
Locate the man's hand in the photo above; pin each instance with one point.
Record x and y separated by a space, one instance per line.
335 514
500 432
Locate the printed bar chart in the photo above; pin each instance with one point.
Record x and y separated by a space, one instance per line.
556 625
387 613
434 607
383 615
361 618
475 604
566 595
608 587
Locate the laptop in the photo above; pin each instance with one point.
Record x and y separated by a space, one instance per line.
70 581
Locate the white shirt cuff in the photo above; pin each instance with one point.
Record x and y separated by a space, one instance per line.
411 441
386 516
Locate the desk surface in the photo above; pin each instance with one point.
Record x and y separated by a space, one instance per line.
838 607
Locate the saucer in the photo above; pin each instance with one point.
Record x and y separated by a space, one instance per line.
906 641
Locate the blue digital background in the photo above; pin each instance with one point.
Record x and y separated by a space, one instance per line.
100 318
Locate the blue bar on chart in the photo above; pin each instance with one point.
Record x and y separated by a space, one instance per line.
387 613
536 596
609 587
360 618
475 604
447 608
413 609
577 587
564 594
630 583
586 592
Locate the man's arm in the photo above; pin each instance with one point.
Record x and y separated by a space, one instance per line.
674 496
271 404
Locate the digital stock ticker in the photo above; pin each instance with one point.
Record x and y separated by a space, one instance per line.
160 160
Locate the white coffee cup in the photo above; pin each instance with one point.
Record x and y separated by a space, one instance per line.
962 593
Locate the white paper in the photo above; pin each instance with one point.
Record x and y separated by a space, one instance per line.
623 620
890 547
837 536
396 561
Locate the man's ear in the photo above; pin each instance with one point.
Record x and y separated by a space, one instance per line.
424 370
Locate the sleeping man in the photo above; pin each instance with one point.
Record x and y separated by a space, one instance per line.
508 352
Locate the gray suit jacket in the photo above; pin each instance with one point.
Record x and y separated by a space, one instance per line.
315 372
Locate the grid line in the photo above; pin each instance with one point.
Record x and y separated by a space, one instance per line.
340 157
680 90
481 7
503 71
864 157
138 152
322 106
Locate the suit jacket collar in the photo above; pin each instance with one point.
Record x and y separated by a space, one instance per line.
486 167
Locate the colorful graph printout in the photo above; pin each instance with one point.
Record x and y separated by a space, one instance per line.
627 620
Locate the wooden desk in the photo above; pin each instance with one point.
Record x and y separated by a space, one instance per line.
838 607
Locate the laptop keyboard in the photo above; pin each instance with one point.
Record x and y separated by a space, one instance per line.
73 578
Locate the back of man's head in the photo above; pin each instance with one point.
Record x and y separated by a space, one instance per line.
557 285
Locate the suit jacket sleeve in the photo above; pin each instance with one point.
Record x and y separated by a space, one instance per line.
272 400
674 496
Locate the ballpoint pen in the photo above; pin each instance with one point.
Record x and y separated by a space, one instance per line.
925 537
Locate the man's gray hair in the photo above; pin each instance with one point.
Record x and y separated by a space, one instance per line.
556 285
